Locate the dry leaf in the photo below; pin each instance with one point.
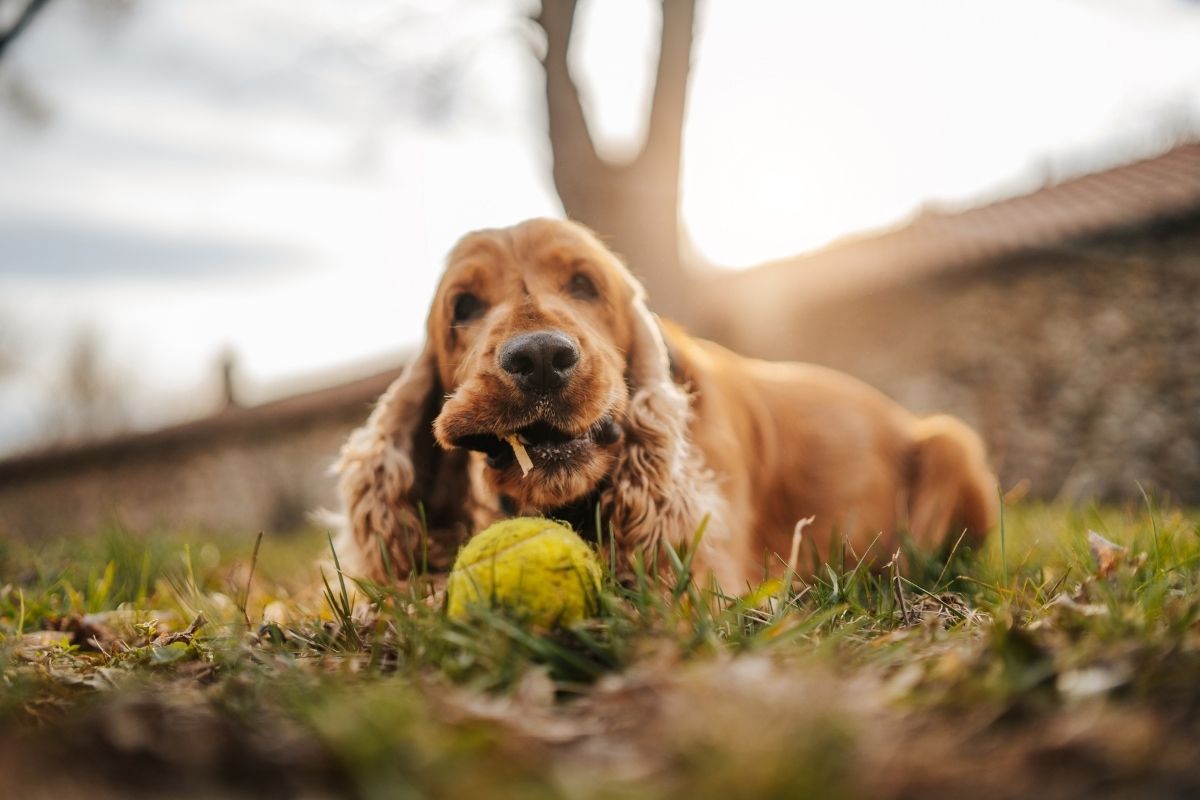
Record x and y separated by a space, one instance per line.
1108 555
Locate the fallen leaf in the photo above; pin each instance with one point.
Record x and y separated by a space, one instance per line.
1108 555
1078 684
168 653
1084 609
29 645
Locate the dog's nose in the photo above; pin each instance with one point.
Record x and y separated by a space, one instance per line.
540 361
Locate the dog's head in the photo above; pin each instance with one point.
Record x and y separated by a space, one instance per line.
538 340
530 329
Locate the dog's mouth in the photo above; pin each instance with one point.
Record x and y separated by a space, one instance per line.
544 443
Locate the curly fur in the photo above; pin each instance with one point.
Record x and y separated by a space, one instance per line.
386 529
376 478
661 491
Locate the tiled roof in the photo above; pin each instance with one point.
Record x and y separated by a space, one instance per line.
1123 197
352 400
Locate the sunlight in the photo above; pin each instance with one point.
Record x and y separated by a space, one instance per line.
835 126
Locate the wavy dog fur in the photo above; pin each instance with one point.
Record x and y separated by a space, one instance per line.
656 429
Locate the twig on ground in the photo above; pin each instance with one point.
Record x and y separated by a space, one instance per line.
184 636
250 577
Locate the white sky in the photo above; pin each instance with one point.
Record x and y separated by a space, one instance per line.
283 179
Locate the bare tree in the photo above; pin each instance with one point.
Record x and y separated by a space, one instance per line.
20 24
90 397
634 205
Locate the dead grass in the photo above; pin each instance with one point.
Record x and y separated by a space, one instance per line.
1054 664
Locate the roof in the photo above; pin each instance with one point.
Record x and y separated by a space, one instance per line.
1128 196
235 422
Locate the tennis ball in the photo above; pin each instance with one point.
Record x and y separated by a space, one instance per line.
535 568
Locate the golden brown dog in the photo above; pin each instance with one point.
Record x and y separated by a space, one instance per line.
539 341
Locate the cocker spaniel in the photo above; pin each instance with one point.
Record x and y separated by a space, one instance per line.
546 387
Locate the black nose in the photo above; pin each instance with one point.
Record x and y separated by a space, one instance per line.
540 361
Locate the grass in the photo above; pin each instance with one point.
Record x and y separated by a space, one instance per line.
1052 663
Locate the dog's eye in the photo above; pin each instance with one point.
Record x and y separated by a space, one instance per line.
466 308
581 286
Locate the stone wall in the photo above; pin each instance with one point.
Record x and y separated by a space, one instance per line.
1079 364
245 469
253 484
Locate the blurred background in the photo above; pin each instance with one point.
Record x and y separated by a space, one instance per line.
221 223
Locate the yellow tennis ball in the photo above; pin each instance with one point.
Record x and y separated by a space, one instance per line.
537 569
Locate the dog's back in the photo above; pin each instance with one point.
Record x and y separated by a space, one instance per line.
789 441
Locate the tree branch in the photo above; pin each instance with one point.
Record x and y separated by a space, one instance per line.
664 135
576 162
23 19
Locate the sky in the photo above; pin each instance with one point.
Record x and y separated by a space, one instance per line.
282 180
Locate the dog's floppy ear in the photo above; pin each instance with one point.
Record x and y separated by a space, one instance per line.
659 488
648 359
397 485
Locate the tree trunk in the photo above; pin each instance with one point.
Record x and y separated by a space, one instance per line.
634 207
